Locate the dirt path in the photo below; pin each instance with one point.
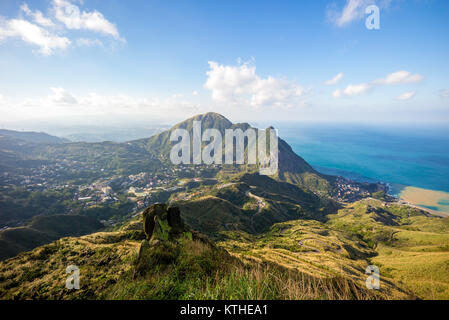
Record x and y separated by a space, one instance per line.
260 203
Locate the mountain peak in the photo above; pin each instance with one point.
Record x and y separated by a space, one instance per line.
208 120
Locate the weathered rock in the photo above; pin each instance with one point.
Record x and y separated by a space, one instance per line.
168 240
149 218
174 218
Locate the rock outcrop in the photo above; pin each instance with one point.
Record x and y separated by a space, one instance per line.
161 222
168 238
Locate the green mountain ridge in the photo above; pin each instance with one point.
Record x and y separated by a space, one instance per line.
30 136
292 168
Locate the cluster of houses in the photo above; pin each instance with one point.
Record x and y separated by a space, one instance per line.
96 194
349 191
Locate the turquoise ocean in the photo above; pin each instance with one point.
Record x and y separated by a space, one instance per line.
400 156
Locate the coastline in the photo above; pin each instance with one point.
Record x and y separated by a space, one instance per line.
435 202
432 201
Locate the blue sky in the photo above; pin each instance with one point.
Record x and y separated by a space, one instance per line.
72 61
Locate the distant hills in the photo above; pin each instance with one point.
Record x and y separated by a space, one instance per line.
16 148
29 136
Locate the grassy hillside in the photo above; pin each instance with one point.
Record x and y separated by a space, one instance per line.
181 269
211 214
411 246
296 259
252 203
42 230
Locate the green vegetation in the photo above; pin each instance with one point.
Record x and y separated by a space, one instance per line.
291 236
411 246
18 204
42 230
252 203
297 259
112 266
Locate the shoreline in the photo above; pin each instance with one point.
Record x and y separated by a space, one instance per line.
435 202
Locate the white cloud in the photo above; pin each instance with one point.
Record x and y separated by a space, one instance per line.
37 16
31 33
273 91
352 11
227 82
337 94
352 90
63 104
61 96
195 93
241 84
399 77
334 80
86 42
34 28
70 14
406 96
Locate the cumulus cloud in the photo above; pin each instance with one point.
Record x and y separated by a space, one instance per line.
241 84
34 28
62 103
37 16
406 96
73 18
352 90
33 34
334 80
399 77
61 96
352 11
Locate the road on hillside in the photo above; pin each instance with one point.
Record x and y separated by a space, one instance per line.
261 204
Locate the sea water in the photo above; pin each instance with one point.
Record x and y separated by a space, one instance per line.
398 155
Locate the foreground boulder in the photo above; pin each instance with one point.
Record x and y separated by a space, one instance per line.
167 237
162 222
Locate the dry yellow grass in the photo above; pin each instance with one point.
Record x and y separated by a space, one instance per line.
310 248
